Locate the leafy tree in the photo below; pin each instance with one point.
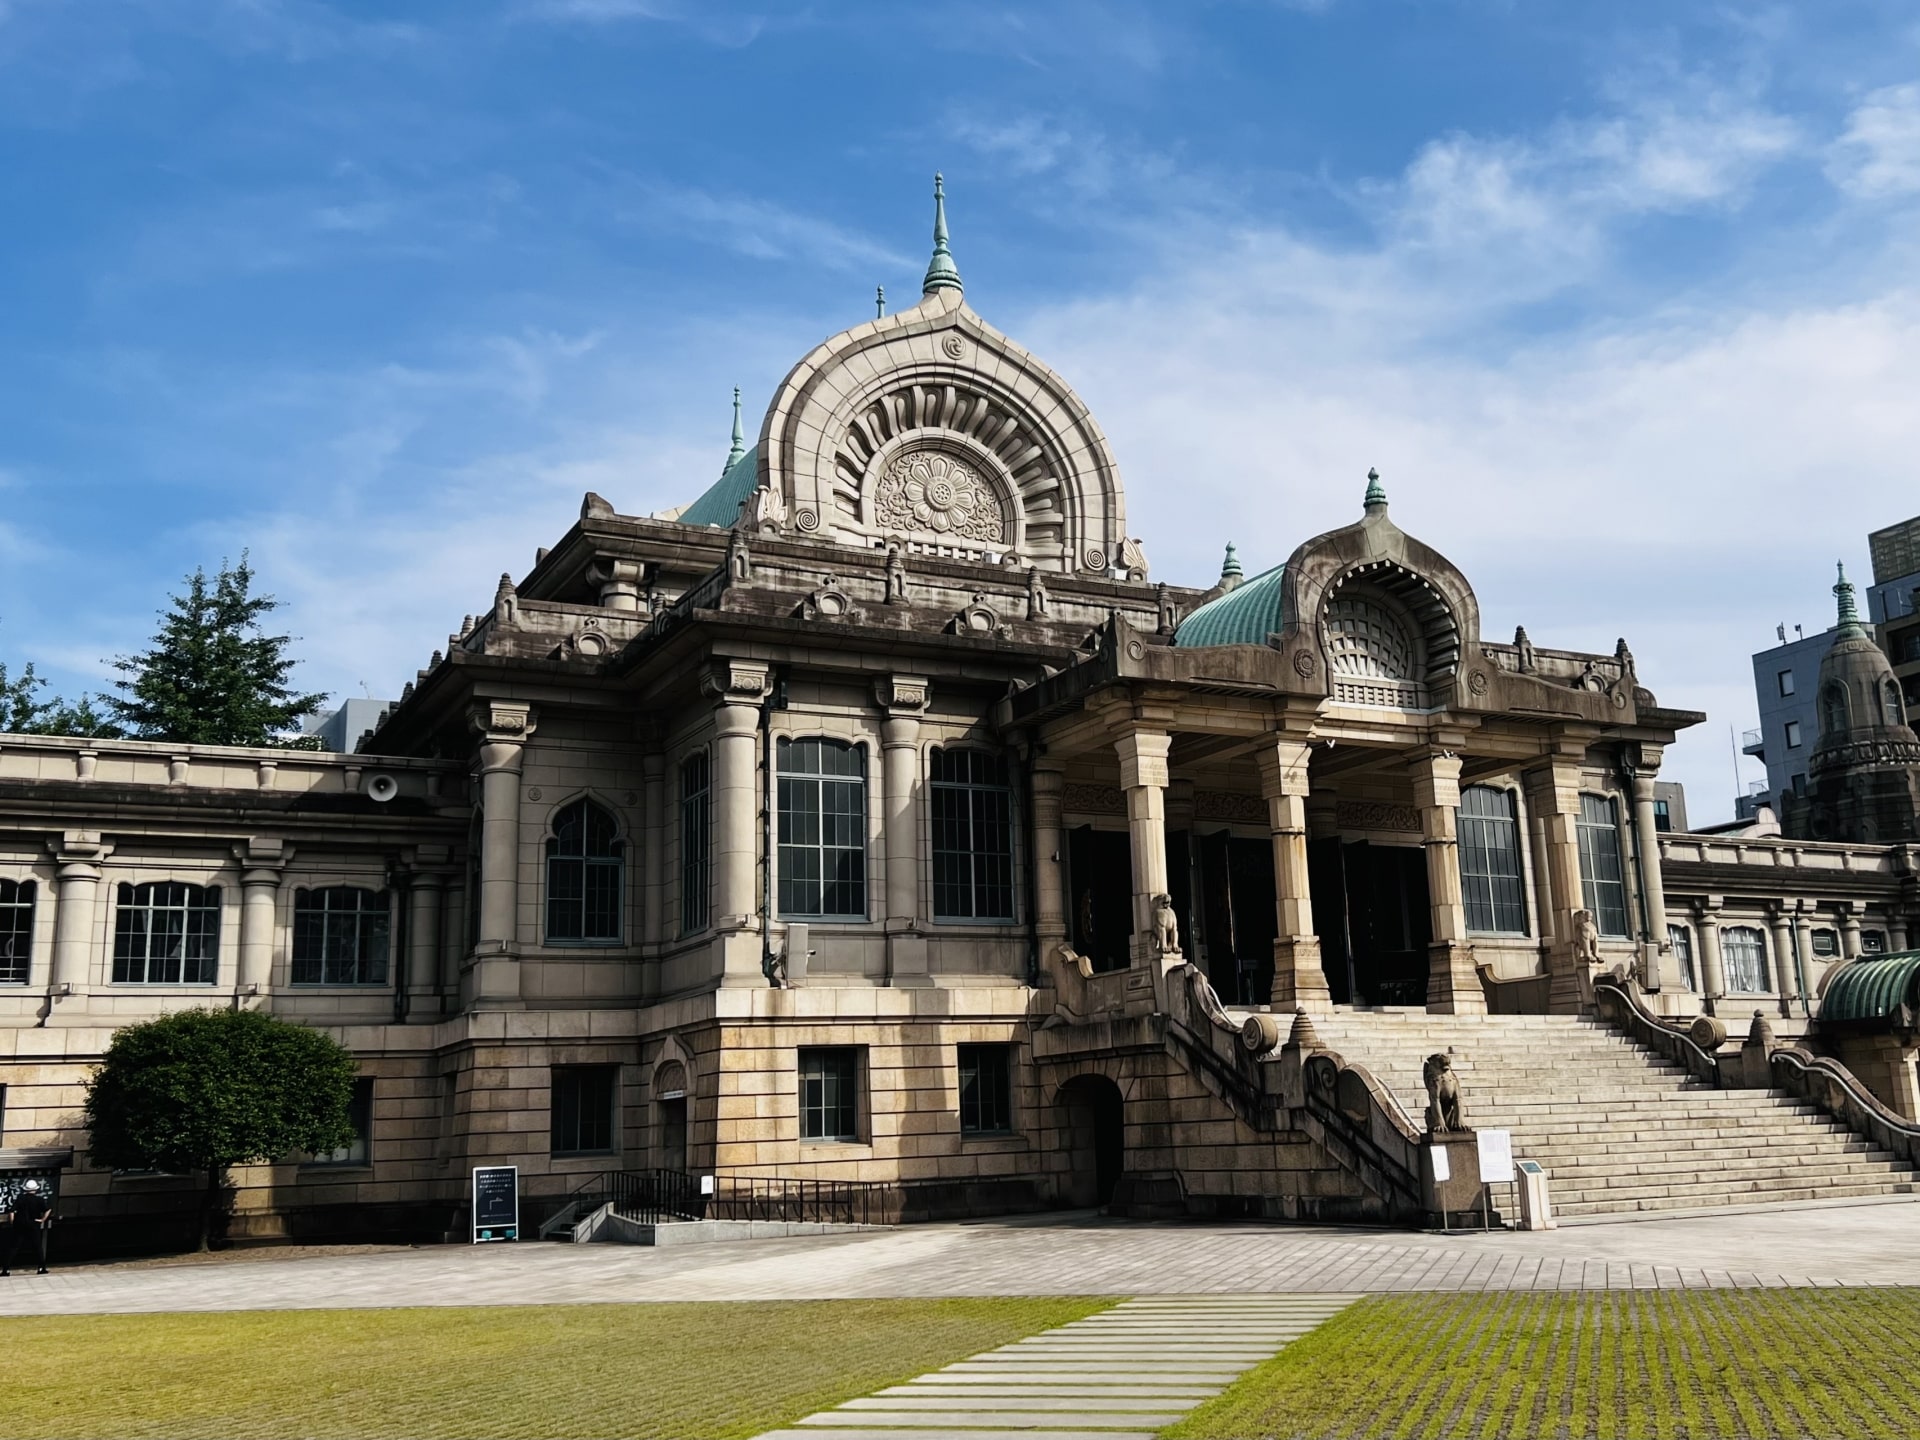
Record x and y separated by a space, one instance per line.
203 1090
23 712
212 677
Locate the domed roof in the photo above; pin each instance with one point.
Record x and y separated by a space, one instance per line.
1858 698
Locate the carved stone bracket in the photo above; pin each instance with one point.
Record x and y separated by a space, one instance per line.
899 694
829 602
977 618
739 681
502 721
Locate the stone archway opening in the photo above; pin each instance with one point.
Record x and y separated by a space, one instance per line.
1093 1121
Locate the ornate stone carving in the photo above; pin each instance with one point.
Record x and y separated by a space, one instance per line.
829 602
977 618
740 681
1102 799
506 602
937 493
739 559
953 347
1443 1096
1133 556
1166 926
1225 805
1095 559
1523 650
1376 815
806 521
765 512
896 576
1037 598
901 692
1304 664
502 721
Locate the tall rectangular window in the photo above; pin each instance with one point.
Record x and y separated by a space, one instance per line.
823 829
1793 734
16 930
340 936
1603 874
1786 682
359 1150
829 1093
1490 879
582 1109
696 819
1743 951
585 856
1681 938
972 836
166 933
986 1089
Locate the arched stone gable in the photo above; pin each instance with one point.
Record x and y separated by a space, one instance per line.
931 428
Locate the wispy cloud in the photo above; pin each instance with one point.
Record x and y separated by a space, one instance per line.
758 229
1878 156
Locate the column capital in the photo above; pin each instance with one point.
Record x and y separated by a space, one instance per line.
1143 757
262 858
902 696
1436 779
79 848
738 682
1707 908
1282 762
502 722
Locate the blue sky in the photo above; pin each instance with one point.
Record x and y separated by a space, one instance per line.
1620 298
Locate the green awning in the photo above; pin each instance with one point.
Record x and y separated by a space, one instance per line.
1865 991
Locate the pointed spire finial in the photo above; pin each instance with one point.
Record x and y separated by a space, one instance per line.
879 302
942 273
1843 592
1230 576
1376 493
739 438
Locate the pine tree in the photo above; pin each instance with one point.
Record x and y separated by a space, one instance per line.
23 712
212 677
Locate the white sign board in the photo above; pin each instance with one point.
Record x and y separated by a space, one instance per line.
706 1184
1442 1171
1496 1156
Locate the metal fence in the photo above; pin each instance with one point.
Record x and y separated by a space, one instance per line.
653 1196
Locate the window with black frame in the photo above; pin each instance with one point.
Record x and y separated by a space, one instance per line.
829 1093
822 804
583 1110
972 804
341 936
16 930
359 1150
1491 886
1603 874
585 865
166 933
986 1089
696 819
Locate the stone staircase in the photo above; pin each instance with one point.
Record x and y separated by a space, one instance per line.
1616 1127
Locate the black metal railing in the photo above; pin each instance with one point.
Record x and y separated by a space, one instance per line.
650 1197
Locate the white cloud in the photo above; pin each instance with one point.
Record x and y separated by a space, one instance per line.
1879 154
759 229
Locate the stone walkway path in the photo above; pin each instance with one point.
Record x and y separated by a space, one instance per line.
1123 1374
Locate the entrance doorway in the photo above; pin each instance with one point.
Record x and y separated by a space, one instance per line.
1237 916
1370 909
1096 1135
1100 880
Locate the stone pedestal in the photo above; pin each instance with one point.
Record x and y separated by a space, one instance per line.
1457 1198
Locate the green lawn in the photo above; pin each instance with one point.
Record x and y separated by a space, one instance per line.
676 1371
1620 1365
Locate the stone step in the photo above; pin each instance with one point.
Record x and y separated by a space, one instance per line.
1675 1196
1579 1178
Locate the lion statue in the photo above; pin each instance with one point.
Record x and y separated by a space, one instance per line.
1443 1095
1166 926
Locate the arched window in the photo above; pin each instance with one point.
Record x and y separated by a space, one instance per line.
1890 704
340 936
1365 638
584 864
16 930
1743 951
1833 709
1490 883
166 933
972 806
823 829
1603 875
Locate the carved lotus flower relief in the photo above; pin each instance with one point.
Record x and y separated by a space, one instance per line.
931 491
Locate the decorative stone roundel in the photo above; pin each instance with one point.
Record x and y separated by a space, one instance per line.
953 347
930 490
807 520
1095 558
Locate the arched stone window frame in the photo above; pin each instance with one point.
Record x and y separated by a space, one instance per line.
1420 609
616 861
1745 956
312 924
1836 709
1892 708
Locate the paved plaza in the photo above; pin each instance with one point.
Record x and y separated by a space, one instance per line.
1073 1254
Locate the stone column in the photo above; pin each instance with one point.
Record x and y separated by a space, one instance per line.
261 862
1780 922
1653 890
1713 969
655 822
1143 776
1049 888
505 727
740 686
1807 977
424 898
78 856
1298 979
1849 930
1896 933
1553 792
903 698
1453 984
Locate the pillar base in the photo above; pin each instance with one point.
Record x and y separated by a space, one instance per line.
496 978
1453 982
1569 992
1298 978
907 961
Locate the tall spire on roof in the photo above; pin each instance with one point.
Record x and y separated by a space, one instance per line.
1376 493
942 273
739 439
1230 576
1843 592
879 301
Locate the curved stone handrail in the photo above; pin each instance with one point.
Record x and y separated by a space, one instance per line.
1624 1010
1355 1108
1830 1085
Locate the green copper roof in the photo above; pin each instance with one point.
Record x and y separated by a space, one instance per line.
721 503
1244 616
1867 990
1849 615
942 273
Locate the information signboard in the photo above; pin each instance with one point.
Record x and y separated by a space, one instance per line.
1442 1170
1496 1156
496 1203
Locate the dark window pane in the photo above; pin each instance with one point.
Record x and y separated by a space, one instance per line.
1603 876
341 936
695 824
821 800
585 875
972 836
828 1080
583 1109
986 1089
16 930
1490 876
166 933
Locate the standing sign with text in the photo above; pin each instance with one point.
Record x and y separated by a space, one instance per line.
496 1203
1496 1156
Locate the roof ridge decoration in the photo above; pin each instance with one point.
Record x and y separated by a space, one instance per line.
739 447
1376 493
1850 625
942 273
1230 572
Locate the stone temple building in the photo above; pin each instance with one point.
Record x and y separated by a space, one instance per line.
881 816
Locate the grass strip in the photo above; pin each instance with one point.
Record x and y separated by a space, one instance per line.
672 1371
